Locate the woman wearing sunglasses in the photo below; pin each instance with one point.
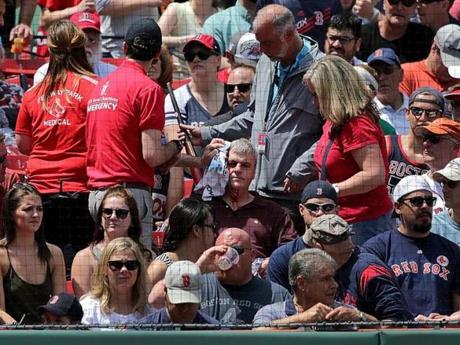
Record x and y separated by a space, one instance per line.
31 269
117 217
191 231
118 293
351 154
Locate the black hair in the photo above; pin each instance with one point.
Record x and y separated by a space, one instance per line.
344 21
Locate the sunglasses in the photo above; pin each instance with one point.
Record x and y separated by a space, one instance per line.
418 201
202 55
434 139
116 265
427 2
429 113
315 207
341 39
213 227
119 213
407 3
240 249
243 87
450 184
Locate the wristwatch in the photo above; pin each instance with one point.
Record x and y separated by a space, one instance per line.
178 144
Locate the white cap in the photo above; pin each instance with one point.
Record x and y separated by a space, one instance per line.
450 172
183 282
448 41
410 184
247 50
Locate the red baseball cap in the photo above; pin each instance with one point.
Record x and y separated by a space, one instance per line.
205 40
453 95
87 20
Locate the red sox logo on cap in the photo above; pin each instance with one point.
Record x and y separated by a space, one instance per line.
86 17
319 191
53 299
378 53
185 280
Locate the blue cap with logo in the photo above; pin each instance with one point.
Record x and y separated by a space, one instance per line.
386 55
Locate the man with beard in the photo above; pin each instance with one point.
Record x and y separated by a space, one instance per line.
90 23
343 37
426 265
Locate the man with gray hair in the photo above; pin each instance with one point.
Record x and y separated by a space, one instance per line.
282 120
266 222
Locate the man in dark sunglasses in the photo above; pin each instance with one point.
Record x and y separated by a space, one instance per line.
424 264
239 85
411 41
447 223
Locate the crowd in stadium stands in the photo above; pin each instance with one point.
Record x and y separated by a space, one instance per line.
259 162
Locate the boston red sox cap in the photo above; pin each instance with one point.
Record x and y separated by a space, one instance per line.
144 36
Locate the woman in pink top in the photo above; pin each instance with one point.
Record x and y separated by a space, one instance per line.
351 154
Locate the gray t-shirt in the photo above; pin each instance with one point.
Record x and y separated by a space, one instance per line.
238 304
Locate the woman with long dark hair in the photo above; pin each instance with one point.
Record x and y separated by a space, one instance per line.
117 216
31 269
51 130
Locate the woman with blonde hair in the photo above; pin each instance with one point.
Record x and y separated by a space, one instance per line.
31 269
118 294
51 130
117 216
351 154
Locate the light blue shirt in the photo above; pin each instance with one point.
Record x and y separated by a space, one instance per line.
444 225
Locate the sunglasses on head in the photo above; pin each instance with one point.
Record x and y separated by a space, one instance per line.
120 213
418 201
434 139
243 87
116 265
316 207
407 3
202 55
430 113
450 184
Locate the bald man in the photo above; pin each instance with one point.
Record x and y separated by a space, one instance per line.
281 120
235 295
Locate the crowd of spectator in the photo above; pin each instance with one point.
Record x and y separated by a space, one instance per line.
322 138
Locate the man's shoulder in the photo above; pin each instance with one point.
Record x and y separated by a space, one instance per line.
288 249
157 316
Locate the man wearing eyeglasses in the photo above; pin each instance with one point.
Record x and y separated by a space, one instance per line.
425 264
435 69
447 223
405 152
411 41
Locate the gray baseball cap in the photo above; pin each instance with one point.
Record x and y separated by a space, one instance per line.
328 229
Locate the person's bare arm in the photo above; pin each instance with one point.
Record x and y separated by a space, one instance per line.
26 14
5 318
57 269
370 161
167 23
154 153
82 270
4 263
124 7
48 17
24 143
157 295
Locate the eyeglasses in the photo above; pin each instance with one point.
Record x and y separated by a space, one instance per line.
243 87
407 3
202 55
119 212
316 207
3 158
450 184
213 226
434 139
240 249
429 113
418 201
427 2
341 39
116 265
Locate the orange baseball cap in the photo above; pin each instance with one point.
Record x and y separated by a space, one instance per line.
443 126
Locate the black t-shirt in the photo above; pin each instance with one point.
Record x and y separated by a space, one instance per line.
413 46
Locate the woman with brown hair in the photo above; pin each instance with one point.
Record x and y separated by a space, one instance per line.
51 130
31 270
117 216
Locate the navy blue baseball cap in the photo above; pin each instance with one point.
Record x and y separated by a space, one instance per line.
318 189
386 55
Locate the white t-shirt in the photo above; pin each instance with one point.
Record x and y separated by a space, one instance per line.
92 314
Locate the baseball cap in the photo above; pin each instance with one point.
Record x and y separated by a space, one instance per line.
448 41
451 171
87 20
247 50
453 95
144 35
63 304
438 97
183 282
442 126
318 189
205 40
409 184
328 229
386 55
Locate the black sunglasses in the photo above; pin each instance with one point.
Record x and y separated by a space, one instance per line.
417 201
407 3
434 139
427 2
240 249
119 212
316 207
450 184
202 55
243 87
430 113
116 265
